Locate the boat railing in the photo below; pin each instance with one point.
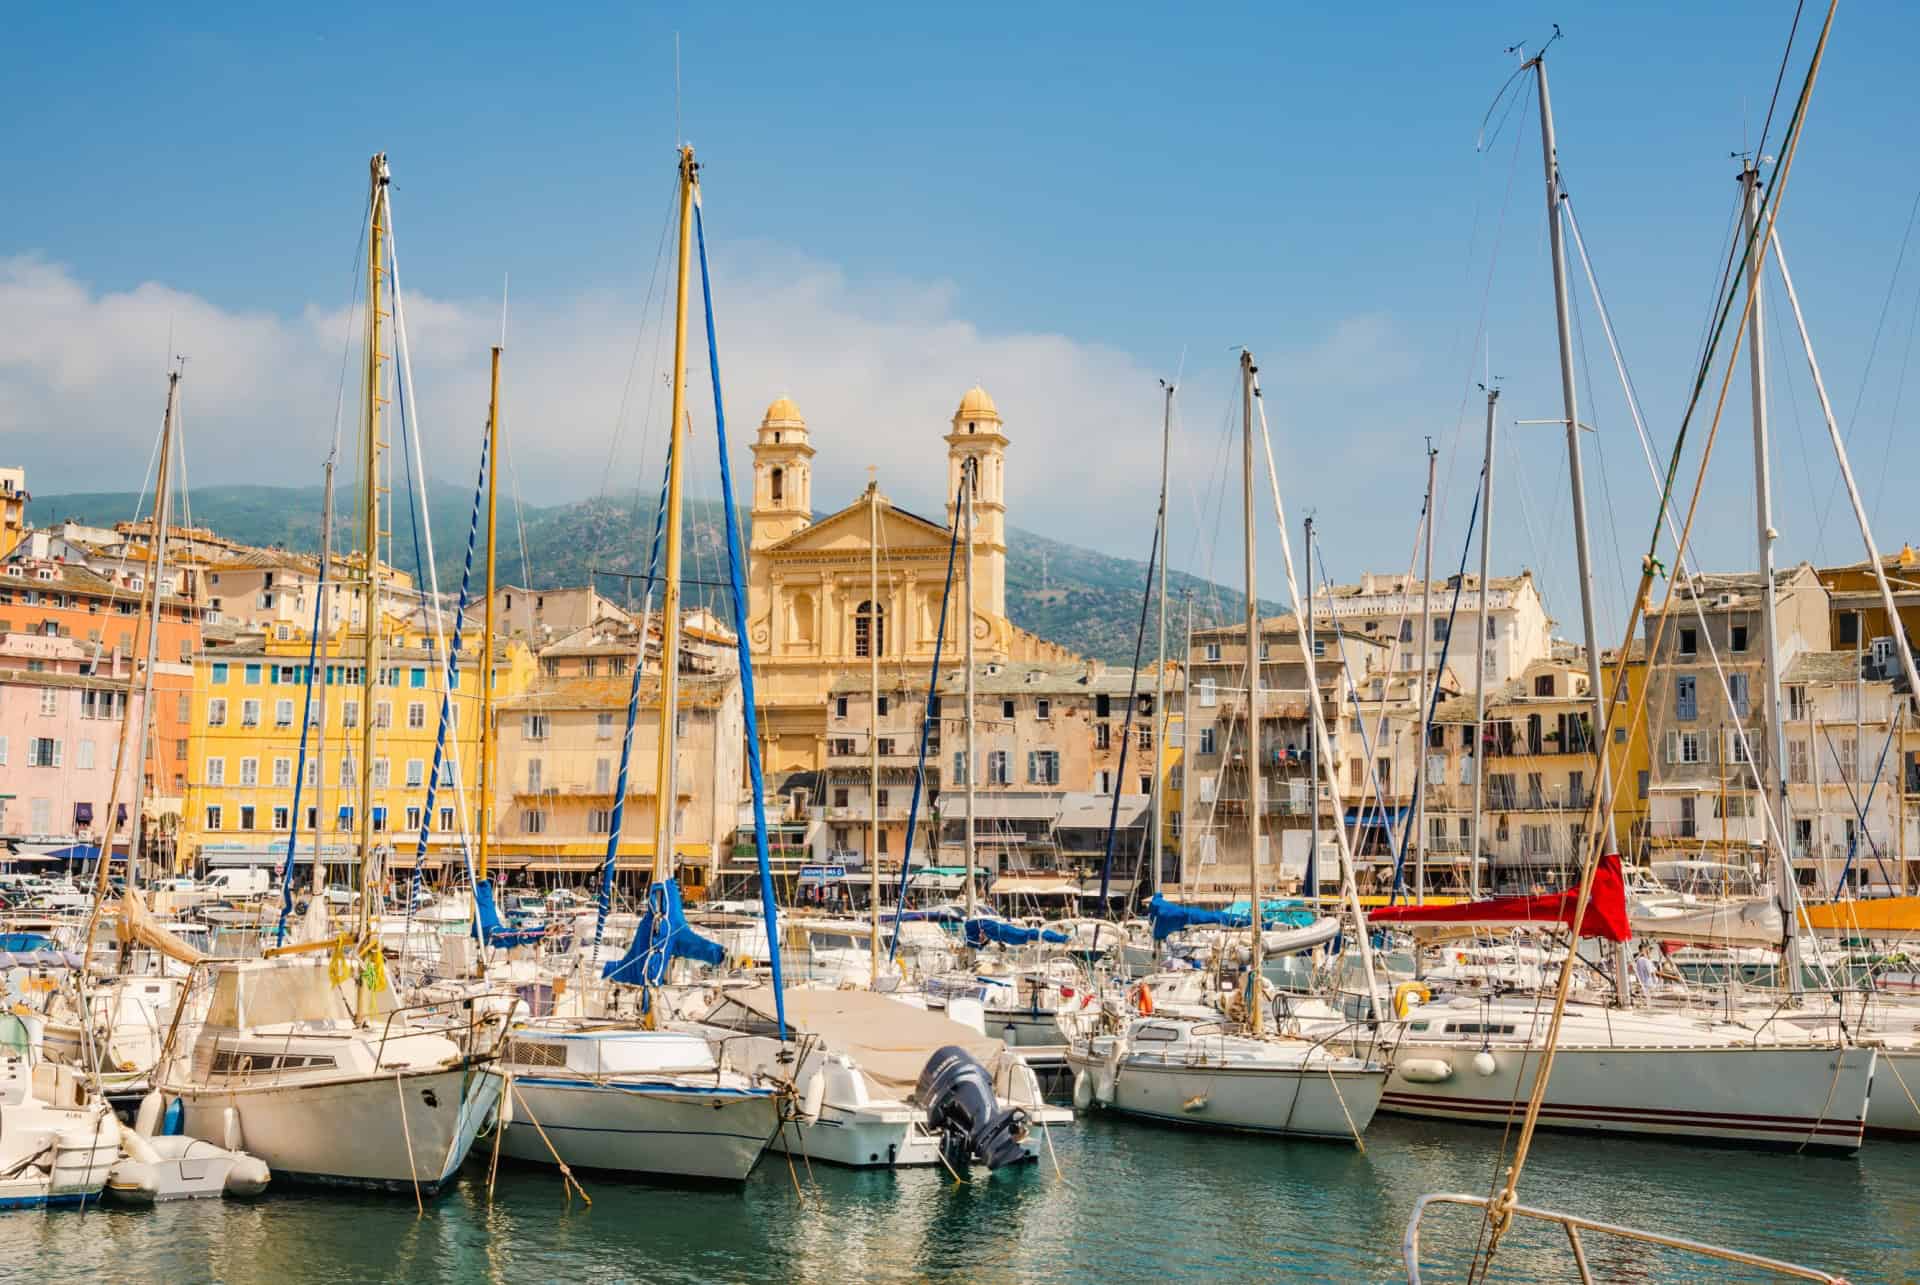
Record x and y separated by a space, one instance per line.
1574 1225
450 1024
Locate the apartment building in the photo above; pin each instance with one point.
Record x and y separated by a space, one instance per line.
1851 779
61 719
1388 608
13 507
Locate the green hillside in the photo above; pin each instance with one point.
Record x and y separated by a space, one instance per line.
1086 600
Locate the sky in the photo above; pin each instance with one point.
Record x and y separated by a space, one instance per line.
1065 204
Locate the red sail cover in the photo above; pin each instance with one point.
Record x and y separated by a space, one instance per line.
1606 911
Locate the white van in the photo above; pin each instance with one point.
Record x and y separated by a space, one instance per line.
240 881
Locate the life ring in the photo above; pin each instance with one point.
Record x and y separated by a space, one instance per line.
1406 994
1143 999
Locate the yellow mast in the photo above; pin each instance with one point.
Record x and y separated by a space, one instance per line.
873 726
370 533
488 738
665 792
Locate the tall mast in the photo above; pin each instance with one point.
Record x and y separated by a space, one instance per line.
1254 1018
156 576
318 875
873 727
1186 741
1773 754
966 628
1577 479
373 445
1312 888
1426 697
1480 651
489 737
665 802
1160 665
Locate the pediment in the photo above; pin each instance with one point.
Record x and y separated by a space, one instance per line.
847 531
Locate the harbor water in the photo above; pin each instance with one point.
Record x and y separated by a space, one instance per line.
1130 1202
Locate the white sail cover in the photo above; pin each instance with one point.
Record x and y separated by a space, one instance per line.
1753 922
890 1041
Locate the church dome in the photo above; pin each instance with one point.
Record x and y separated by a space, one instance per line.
782 414
977 405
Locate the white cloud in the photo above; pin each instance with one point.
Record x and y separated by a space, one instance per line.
876 366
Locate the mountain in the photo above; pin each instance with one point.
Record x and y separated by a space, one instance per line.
1084 599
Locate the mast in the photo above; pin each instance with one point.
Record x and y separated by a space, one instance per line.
1160 665
318 874
873 727
373 445
156 575
1576 477
1426 697
966 513
1773 753
1480 654
1313 797
1186 741
1254 1019
489 737
666 804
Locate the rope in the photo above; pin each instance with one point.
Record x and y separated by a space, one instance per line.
406 1129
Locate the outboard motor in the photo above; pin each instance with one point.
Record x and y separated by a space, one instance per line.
958 1095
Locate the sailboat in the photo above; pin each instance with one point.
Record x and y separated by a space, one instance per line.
301 1057
1201 1071
613 1093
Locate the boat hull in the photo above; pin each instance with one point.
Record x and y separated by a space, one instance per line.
1810 1097
403 1132
1309 1102
641 1127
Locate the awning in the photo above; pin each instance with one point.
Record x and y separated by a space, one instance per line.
1375 816
1086 811
566 865
1000 807
83 814
1034 886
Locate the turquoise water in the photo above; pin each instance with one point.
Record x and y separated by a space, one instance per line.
1135 1203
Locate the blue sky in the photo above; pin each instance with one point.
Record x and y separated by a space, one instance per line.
1057 202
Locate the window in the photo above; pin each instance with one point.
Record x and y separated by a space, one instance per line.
882 796
416 715
1442 629
1689 641
1797 703
1103 706
884 705
1209 695
213 817
839 707
350 713
253 674
1849 622
534 773
249 775
216 771
217 712
883 838
1384 769
282 774
1406 631
617 666
313 772
1145 735
549 667
841 746
1685 747
1543 684
998 768
417 677
383 714
603 776
1103 782
1737 693
382 774
413 818
603 727
1043 709
219 672
249 713
1043 767
349 772
1685 697
533 821
282 818
416 777
534 726
869 630
600 821
1797 764
446 818
83 756
959 770
1737 638
1208 786
246 816
1208 741
283 713
1006 710
1213 651
1102 737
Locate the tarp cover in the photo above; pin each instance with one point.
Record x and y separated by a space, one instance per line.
663 934
890 1041
1606 913
136 925
487 924
982 931
1890 915
1752 922
1170 917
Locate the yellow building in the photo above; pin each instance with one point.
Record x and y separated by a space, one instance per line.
1629 753
244 746
13 507
812 617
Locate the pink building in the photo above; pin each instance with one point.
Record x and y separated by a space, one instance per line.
61 711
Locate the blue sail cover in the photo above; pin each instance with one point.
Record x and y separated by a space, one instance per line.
1170 917
663 934
982 931
488 925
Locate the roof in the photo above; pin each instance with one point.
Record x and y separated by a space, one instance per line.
1082 810
782 413
976 404
612 693
1000 807
1046 677
1823 667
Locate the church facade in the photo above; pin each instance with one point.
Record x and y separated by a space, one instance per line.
819 609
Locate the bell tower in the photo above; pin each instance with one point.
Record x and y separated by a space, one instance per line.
782 475
977 437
